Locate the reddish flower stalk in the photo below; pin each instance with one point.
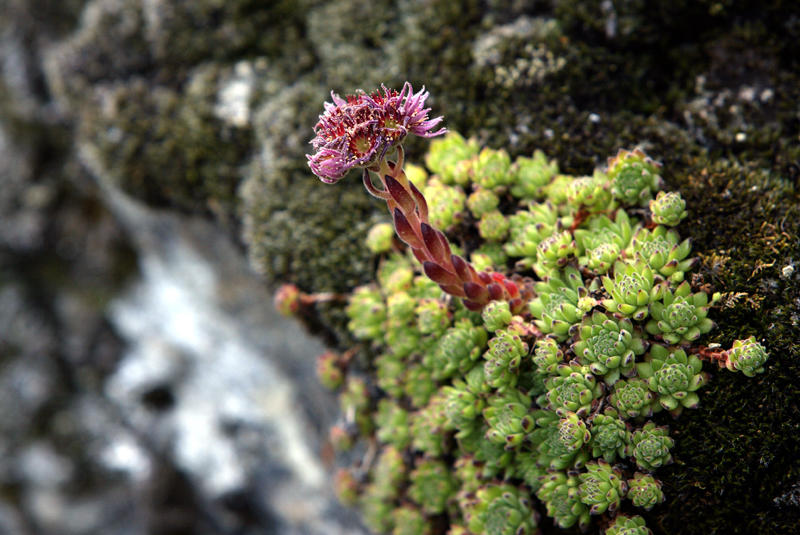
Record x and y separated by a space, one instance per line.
430 246
359 131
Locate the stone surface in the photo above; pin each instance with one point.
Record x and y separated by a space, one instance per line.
111 109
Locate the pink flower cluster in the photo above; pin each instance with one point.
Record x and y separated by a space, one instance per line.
358 130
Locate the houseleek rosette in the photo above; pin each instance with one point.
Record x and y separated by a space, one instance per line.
626 525
747 356
602 487
559 493
650 446
674 377
645 491
681 316
632 289
668 208
661 249
610 436
608 345
573 390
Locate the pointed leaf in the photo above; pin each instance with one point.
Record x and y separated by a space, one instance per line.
476 292
438 274
400 195
405 231
422 205
435 244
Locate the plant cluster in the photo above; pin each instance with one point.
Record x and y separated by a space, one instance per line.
515 372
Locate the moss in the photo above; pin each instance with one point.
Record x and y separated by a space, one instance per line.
350 40
734 455
224 30
167 147
164 41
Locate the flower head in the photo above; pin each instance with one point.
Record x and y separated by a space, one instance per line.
356 131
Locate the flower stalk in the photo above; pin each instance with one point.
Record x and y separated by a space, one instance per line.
454 275
360 131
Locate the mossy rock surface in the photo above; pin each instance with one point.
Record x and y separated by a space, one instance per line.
710 89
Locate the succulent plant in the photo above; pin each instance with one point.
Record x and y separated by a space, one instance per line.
468 471
674 377
509 418
602 487
626 525
511 513
610 436
573 390
482 201
645 491
433 316
463 405
528 469
559 492
288 300
556 192
428 426
419 384
634 177
457 350
602 240
632 289
547 356
367 313
501 509
416 391
532 175
609 346
491 168
681 317
503 359
446 204
668 208
400 308
446 153
391 374
431 485
493 226
650 446
329 370
489 255
589 192
377 508
380 238
403 339
662 251
559 442
527 228
409 520
555 308
346 487
497 460
342 437
747 356
389 472
554 252
496 316
632 398
395 274
392 424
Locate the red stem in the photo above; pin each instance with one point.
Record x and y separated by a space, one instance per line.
452 273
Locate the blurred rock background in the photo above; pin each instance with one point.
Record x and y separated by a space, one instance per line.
153 189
